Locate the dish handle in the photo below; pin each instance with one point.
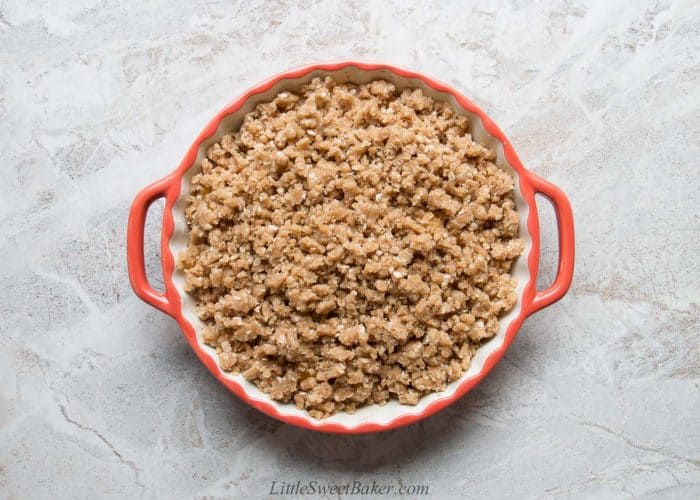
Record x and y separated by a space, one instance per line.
134 245
565 229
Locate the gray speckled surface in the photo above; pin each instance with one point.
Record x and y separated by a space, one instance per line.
101 396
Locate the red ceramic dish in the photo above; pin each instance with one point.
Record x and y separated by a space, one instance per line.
180 306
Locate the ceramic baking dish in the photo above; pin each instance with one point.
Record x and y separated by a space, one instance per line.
175 302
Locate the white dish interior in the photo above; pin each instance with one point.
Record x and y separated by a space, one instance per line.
381 415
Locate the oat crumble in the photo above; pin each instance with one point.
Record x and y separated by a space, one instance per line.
350 245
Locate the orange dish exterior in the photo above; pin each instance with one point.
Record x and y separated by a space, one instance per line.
171 301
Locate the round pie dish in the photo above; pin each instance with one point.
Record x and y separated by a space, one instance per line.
174 238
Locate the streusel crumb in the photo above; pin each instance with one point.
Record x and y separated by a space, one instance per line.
350 245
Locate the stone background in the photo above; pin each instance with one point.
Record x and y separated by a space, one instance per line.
101 397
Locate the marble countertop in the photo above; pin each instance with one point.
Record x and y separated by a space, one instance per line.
100 395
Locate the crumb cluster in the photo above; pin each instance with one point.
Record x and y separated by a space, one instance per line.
350 245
